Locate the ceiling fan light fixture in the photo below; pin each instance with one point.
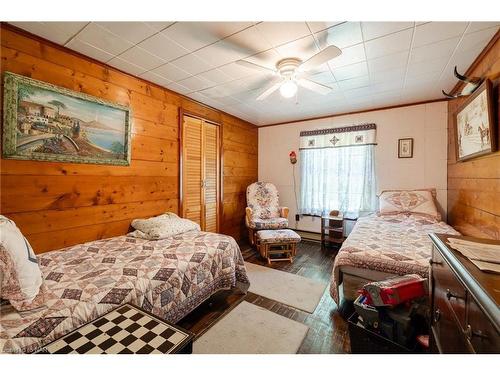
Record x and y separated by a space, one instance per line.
288 88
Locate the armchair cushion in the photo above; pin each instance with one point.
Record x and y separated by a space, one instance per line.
263 199
274 223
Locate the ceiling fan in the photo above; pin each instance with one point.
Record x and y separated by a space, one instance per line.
291 71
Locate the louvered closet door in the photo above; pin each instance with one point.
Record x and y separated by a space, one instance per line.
192 172
211 171
200 172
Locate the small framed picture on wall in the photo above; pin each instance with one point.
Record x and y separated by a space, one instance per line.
405 148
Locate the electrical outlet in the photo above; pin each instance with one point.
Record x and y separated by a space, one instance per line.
297 217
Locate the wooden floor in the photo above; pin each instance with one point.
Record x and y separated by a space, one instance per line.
327 330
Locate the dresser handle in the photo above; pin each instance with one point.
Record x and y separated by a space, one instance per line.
431 262
469 332
450 295
437 315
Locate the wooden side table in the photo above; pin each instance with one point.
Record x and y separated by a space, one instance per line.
332 230
127 329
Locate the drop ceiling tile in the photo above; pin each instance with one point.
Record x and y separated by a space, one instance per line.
435 31
358 92
477 26
386 86
191 35
324 78
216 92
196 83
255 82
221 53
433 51
320 26
57 32
171 72
354 83
427 66
134 32
267 58
228 101
388 76
88 50
236 71
350 55
397 60
389 44
216 76
140 57
250 40
343 35
126 66
153 77
196 35
161 46
476 39
419 79
372 30
302 48
278 33
351 71
159 26
191 64
174 86
101 38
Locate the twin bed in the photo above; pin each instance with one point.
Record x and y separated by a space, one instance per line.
168 277
381 246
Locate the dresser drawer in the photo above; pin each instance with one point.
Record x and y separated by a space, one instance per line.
447 289
446 333
482 335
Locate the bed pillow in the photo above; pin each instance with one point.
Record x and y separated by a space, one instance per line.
163 226
409 201
21 279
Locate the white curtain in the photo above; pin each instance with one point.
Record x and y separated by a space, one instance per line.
338 178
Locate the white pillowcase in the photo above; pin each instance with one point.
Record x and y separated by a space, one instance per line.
21 281
408 201
163 226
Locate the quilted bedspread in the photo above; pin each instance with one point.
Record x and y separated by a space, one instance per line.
168 277
398 244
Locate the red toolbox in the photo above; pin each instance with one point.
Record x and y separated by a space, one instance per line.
396 290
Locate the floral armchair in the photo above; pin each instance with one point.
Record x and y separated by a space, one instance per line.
263 210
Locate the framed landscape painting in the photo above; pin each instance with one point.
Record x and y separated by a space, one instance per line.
51 123
475 129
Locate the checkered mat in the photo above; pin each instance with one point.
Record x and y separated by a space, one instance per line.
125 330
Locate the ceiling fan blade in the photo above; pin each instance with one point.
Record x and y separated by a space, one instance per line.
269 91
253 66
313 86
321 57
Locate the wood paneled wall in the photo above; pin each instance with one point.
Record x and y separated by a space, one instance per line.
61 204
474 185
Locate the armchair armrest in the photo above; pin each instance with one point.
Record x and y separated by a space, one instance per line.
248 212
284 212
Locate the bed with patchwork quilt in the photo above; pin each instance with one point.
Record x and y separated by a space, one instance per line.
168 277
381 246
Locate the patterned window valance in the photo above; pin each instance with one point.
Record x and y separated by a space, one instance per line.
356 135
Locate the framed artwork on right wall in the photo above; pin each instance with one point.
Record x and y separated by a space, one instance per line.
474 125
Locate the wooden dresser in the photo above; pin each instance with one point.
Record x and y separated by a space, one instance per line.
464 301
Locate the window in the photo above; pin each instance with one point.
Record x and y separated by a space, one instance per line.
340 178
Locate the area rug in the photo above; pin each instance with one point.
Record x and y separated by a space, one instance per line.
249 329
287 288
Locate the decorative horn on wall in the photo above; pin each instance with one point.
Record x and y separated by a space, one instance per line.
472 83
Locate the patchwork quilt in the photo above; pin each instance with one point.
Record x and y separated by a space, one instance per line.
168 278
398 244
